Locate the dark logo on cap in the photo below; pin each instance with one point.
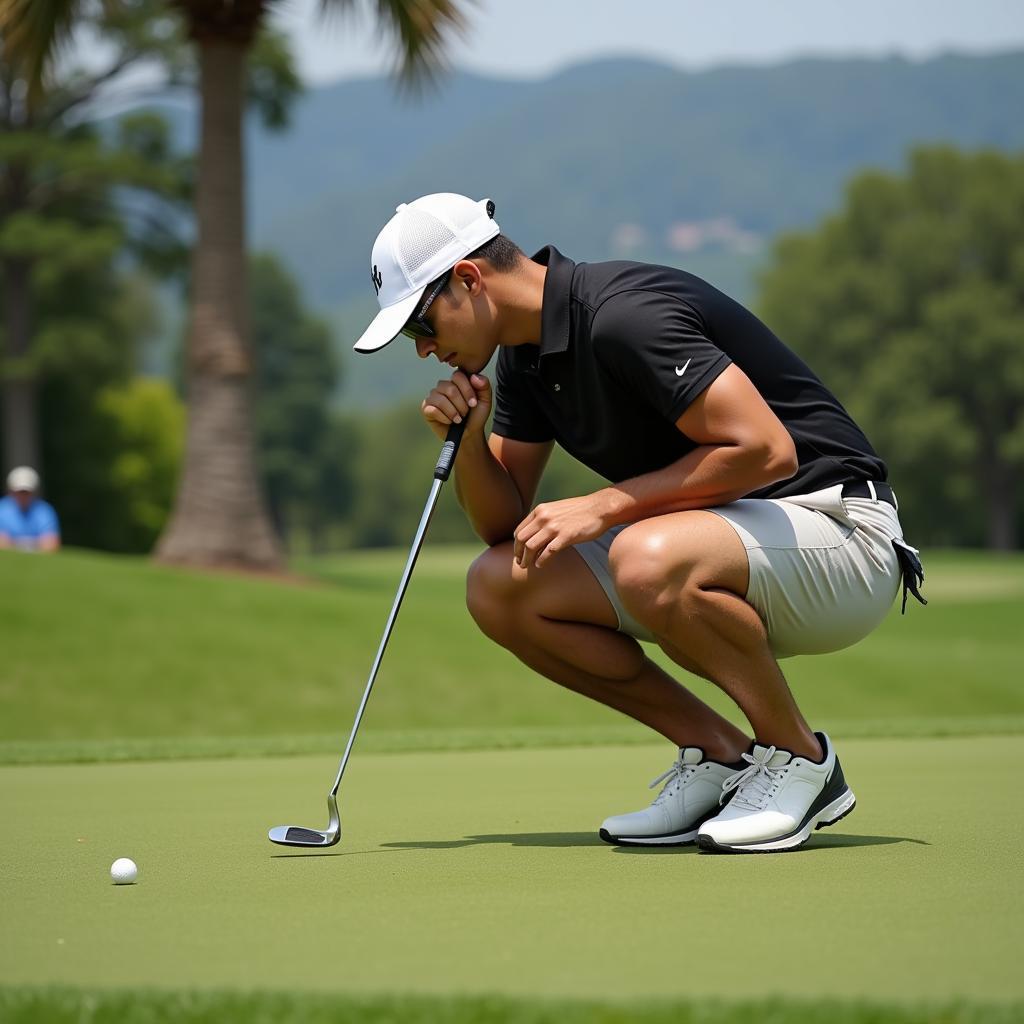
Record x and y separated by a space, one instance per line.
376 279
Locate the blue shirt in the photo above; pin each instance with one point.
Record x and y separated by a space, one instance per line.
25 528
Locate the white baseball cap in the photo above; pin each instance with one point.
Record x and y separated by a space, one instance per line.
421 241
24 478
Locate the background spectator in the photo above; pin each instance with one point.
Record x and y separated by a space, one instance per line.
26 521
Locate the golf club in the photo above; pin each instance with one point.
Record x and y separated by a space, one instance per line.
296 835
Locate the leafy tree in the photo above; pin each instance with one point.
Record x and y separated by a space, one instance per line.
71 200
147 421
120 467
909 303
335 488
219 515
304 468
108 442
394 457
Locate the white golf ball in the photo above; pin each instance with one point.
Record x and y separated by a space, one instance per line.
123 871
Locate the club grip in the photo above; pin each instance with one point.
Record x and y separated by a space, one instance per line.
446 459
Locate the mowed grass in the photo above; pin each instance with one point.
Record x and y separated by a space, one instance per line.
480 874
109 656
60 1005
470 886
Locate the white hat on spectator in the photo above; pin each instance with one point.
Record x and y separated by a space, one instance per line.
24 478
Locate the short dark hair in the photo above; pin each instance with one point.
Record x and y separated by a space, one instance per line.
502 253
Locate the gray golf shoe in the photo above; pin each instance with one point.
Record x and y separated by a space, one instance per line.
691 794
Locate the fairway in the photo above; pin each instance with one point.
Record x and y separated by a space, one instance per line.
481 873
155 662
140 705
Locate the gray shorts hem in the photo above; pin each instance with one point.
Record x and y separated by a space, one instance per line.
595 554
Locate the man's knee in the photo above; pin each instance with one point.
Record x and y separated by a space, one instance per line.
653 572
492 590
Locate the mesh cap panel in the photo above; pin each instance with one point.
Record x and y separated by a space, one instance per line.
421 237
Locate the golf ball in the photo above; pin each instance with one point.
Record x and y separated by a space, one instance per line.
123 871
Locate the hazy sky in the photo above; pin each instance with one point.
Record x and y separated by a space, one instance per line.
533 37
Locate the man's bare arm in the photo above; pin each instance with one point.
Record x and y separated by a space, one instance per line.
743 447
495 478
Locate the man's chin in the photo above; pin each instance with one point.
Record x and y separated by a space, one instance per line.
476 363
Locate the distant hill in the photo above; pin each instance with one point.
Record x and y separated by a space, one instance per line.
615 158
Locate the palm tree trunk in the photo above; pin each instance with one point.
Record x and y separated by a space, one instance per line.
220 516
17 384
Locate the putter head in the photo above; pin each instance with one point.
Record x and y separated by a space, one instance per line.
296 835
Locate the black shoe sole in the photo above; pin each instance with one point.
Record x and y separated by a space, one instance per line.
605 835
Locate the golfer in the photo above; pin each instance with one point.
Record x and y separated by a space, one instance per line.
747 518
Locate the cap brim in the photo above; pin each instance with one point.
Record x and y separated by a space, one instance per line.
386 325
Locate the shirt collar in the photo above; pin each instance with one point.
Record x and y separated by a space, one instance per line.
554 315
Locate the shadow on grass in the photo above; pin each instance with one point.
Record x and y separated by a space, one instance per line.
533 839
542 839
829 841
816 842
562 840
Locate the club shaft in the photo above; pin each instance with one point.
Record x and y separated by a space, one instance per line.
428 511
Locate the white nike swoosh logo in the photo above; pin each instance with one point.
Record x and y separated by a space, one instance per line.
680 372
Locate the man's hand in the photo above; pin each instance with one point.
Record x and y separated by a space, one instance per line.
451 401
557 525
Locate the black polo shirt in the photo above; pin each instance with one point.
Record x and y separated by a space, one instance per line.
626 347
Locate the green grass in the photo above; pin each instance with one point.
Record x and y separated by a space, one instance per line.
469 885
480 874
397 741
116 657
58 1005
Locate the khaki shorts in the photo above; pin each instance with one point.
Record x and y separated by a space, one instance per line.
823 572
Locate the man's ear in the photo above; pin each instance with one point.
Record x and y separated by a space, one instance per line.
466 275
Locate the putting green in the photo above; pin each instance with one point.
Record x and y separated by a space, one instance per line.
481 873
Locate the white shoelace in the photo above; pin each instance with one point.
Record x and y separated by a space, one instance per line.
676 776
755 784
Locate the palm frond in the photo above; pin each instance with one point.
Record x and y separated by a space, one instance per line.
417 31
33 31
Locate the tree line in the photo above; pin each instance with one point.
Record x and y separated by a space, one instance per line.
908 301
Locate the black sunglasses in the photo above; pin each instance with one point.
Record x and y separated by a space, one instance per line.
416 327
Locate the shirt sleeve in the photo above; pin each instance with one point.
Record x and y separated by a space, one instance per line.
656 347
517 415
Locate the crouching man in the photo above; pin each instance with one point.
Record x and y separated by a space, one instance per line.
747 517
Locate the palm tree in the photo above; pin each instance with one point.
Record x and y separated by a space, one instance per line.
220 516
